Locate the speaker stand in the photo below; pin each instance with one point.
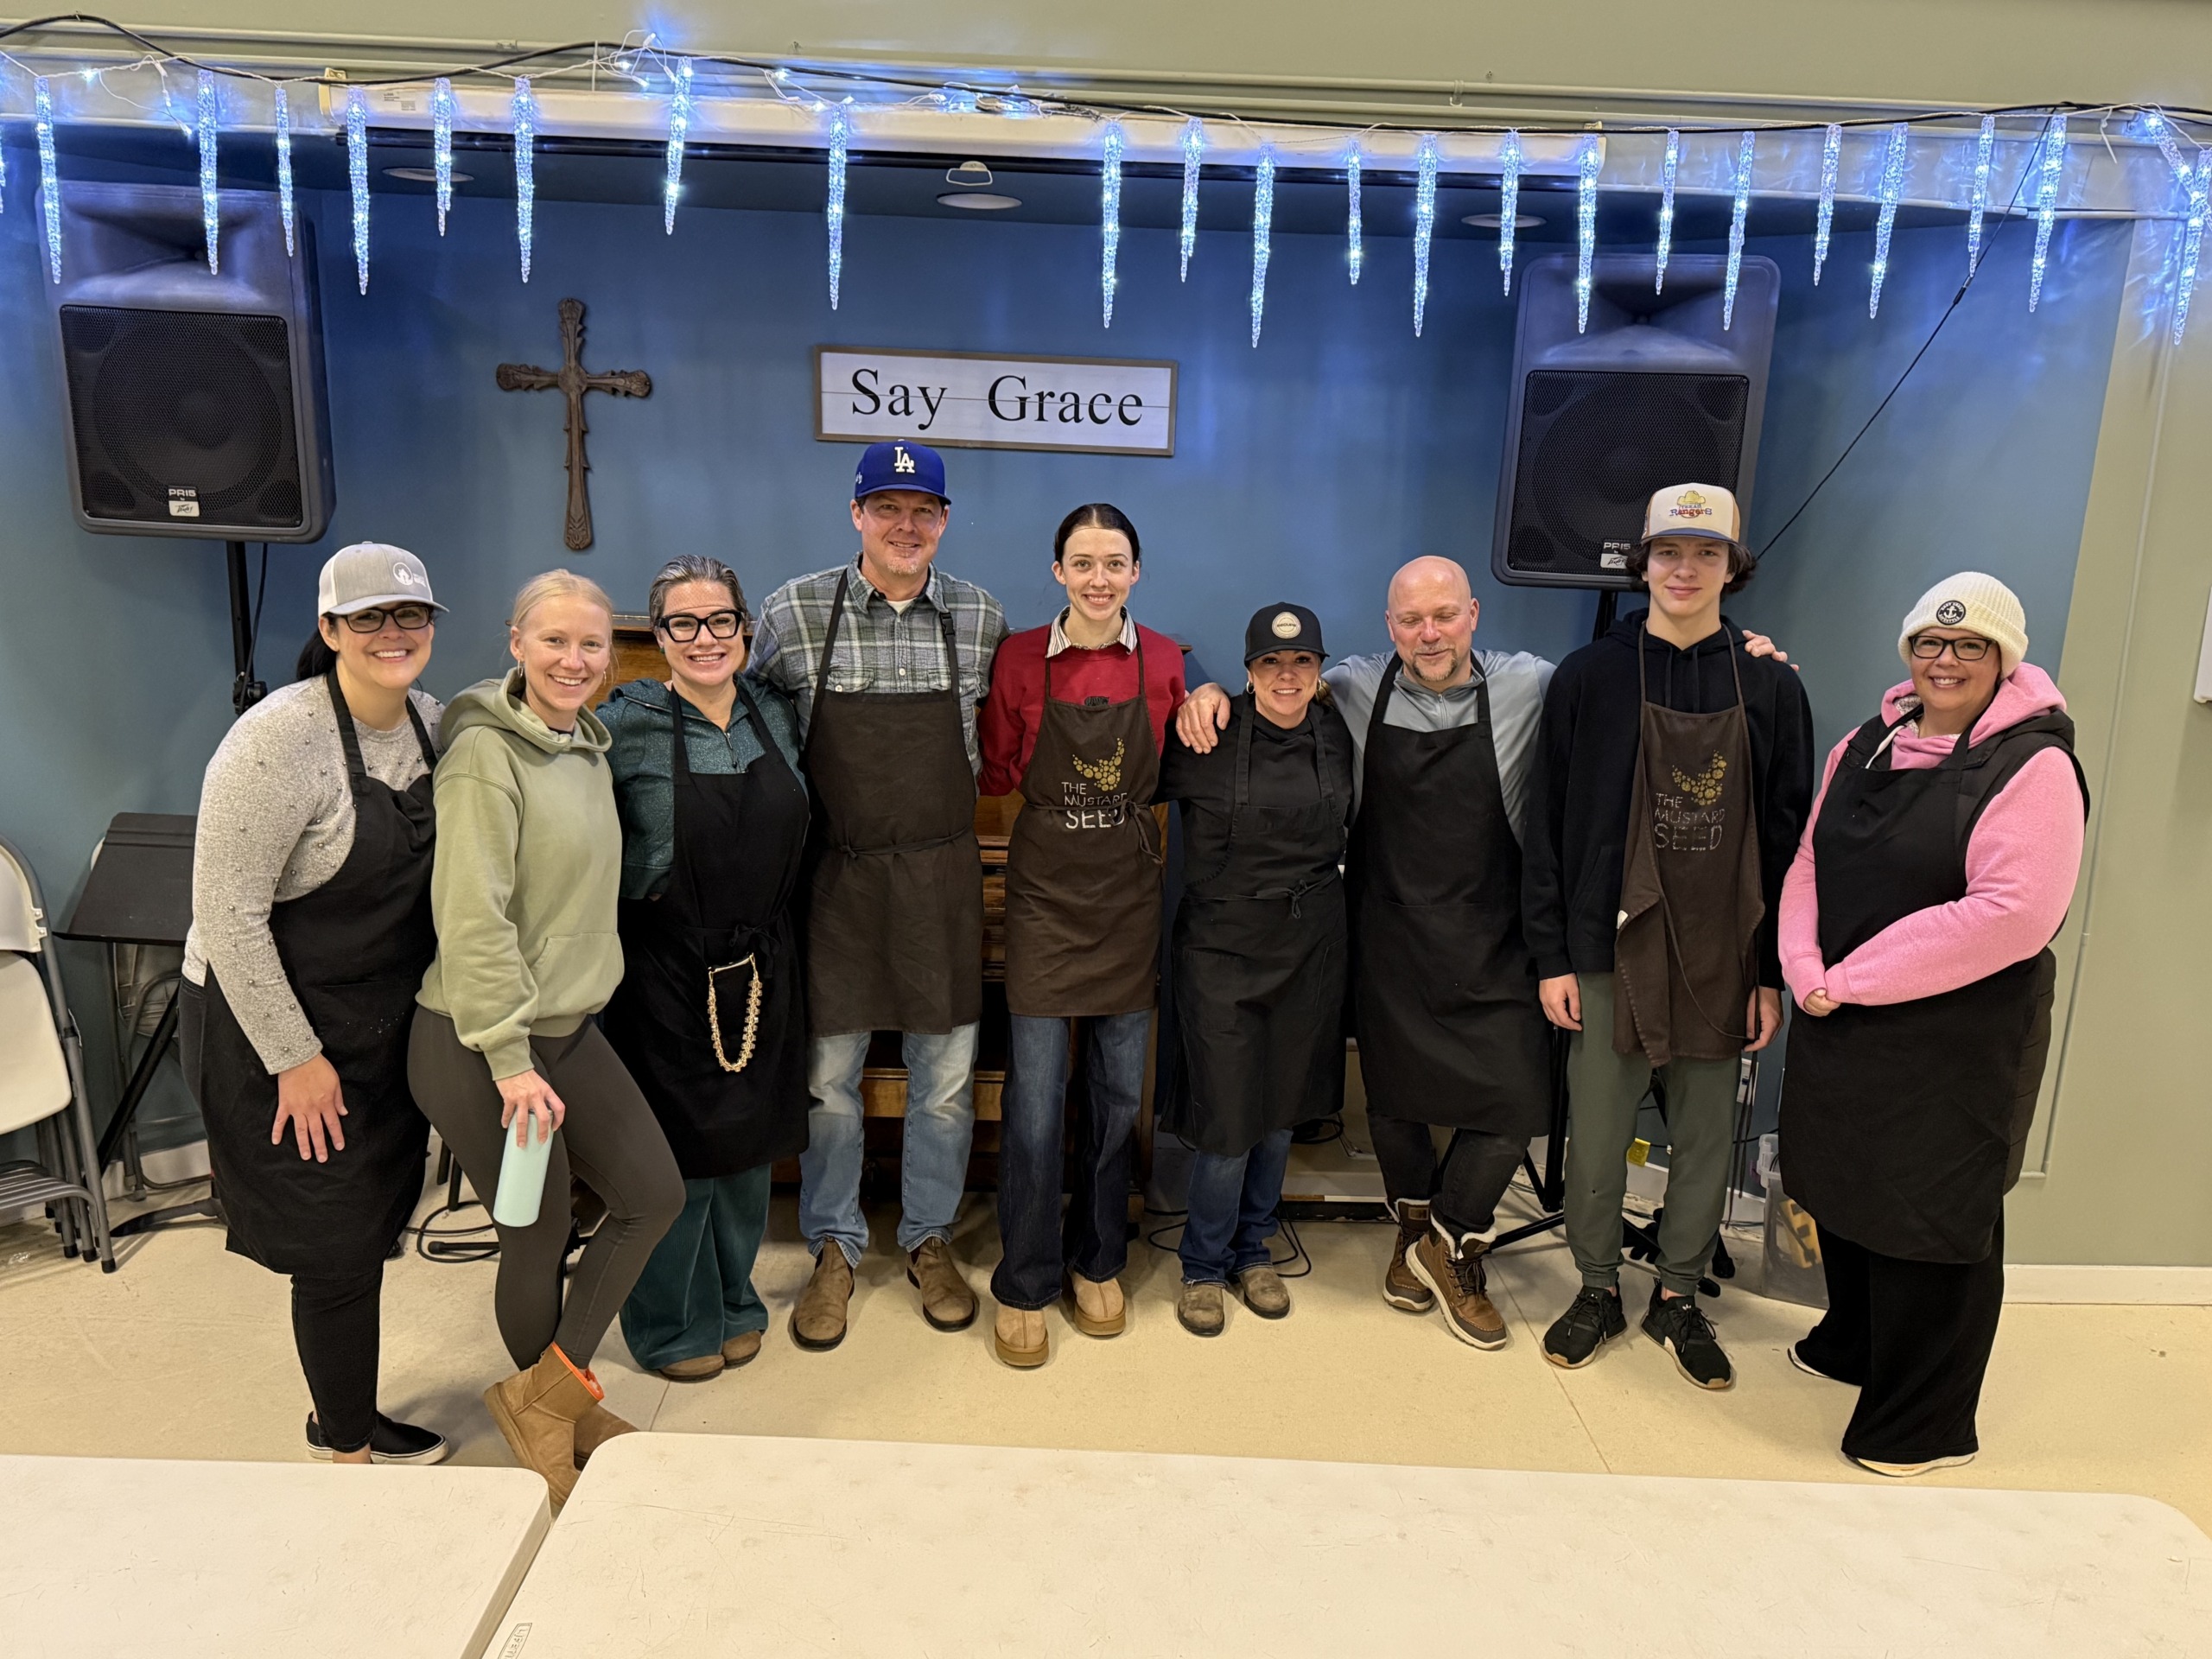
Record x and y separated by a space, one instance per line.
1606 600
245 690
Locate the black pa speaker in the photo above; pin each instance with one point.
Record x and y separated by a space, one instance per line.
197 405
1656 392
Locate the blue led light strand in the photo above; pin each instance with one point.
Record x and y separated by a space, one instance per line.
679 123
1194 147
283 118
49 182
356 178
1978 206
211 200
1263 219
1586 226
1109 215
1746 148
1424 223
1667 169
1892 186
2197 181
2052 171
441 113
841 133
1509 206
1355 247
1831 164
524 110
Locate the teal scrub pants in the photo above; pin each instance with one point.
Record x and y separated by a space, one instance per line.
696 1292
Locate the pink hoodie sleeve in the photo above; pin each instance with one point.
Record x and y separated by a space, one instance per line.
1799 935
2021 865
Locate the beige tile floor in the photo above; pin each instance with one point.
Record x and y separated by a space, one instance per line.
186 1352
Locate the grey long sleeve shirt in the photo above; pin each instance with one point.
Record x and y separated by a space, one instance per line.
1517 683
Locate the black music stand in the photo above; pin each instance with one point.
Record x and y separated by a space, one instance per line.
139 892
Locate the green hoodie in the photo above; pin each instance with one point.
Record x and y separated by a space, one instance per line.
529 865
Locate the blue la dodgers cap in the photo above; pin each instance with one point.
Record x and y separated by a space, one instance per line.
899 465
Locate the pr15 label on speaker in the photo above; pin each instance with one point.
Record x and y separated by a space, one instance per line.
183 503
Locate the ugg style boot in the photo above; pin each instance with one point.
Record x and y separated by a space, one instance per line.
595 1428
1020 1338
818 1321
1401 1288
1096 1306
538 1409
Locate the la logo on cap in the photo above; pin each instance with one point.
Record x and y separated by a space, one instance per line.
1284 627
904 463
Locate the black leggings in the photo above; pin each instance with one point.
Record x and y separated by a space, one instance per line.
1463 1190
610 1139
335 1326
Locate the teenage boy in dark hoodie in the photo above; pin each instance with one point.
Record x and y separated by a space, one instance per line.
1672 777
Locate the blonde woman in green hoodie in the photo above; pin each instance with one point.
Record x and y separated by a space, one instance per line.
529 869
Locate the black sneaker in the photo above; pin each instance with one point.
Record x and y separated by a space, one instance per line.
389 1442
1594 1319
1678 1324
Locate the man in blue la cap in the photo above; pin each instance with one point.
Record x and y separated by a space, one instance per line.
886 658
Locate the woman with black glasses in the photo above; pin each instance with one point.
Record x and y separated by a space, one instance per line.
310 930
710 1017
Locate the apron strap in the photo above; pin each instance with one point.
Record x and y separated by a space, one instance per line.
829 639
1143 690
357 776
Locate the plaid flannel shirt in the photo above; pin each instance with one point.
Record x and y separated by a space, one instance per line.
878 649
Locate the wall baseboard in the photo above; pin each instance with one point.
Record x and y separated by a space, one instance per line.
2117 1284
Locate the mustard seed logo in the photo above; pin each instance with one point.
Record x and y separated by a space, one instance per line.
1105 774
1705 788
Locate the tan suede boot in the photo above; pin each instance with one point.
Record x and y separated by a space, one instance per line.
947 1302
818 1321
1020 1338
538 1411
1096 1306
595 1428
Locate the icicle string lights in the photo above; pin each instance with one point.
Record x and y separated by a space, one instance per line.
1978 207
679 123
49 182
441 111
1667 169
1263 219
1747 149
1424 223
841 134
1586 226
524 109
283 118
356 178
211 198
1355 250
1110 216
1194 147
2052 169
1893 161
1831 163
1509 206
2193 177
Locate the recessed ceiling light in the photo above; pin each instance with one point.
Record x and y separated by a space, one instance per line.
425 176
979 201
1497 222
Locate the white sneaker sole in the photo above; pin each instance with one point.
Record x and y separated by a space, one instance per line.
437 1454
1907 1471
1810 1370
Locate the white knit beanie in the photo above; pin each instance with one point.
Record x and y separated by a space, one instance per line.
1978 603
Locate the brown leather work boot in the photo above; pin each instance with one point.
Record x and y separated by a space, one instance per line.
947 1303
1019 1337
818 1321
1264 1292
1458 1279
1199 1309
1097 1306
538 1411
595 1428
1401 1288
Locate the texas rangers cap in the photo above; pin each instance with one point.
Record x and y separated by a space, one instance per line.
1283 627
369 574
899 465
1694 509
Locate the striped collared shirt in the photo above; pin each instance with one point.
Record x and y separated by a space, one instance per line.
879 649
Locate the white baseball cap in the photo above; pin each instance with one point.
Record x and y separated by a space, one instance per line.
369 574
1694 509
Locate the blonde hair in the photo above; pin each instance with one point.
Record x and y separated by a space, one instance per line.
556 584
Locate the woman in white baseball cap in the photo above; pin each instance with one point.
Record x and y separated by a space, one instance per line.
310 930
1915 926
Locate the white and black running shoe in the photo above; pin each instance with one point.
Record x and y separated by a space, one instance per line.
389 1442
1678 1324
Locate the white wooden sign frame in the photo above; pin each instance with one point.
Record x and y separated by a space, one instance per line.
990 400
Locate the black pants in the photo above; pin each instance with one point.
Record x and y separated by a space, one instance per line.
336 1328
1915 1336
1462 1190
610 1139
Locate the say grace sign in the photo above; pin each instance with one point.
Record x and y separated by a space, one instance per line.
967 400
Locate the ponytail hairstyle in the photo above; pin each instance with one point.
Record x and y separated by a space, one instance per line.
694 567
1097 515
317 658
556 584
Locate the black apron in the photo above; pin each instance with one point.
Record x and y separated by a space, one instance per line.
1443 986
894 927
710 1016
1260 962
1904 1125
354 952
1083 863
1691 898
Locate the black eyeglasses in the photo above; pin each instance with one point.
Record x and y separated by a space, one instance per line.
412 617
1929 648
683 628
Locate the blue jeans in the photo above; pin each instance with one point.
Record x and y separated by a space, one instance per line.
940 1124
1232 1211
696 1291
1094 1240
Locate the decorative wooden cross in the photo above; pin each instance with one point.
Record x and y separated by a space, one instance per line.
574 383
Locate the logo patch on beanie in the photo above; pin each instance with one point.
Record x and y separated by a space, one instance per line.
1950 614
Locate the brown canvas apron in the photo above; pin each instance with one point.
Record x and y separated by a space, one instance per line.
1690 896
894 928
1082 864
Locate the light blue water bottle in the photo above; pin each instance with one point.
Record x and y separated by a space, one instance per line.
522 1174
